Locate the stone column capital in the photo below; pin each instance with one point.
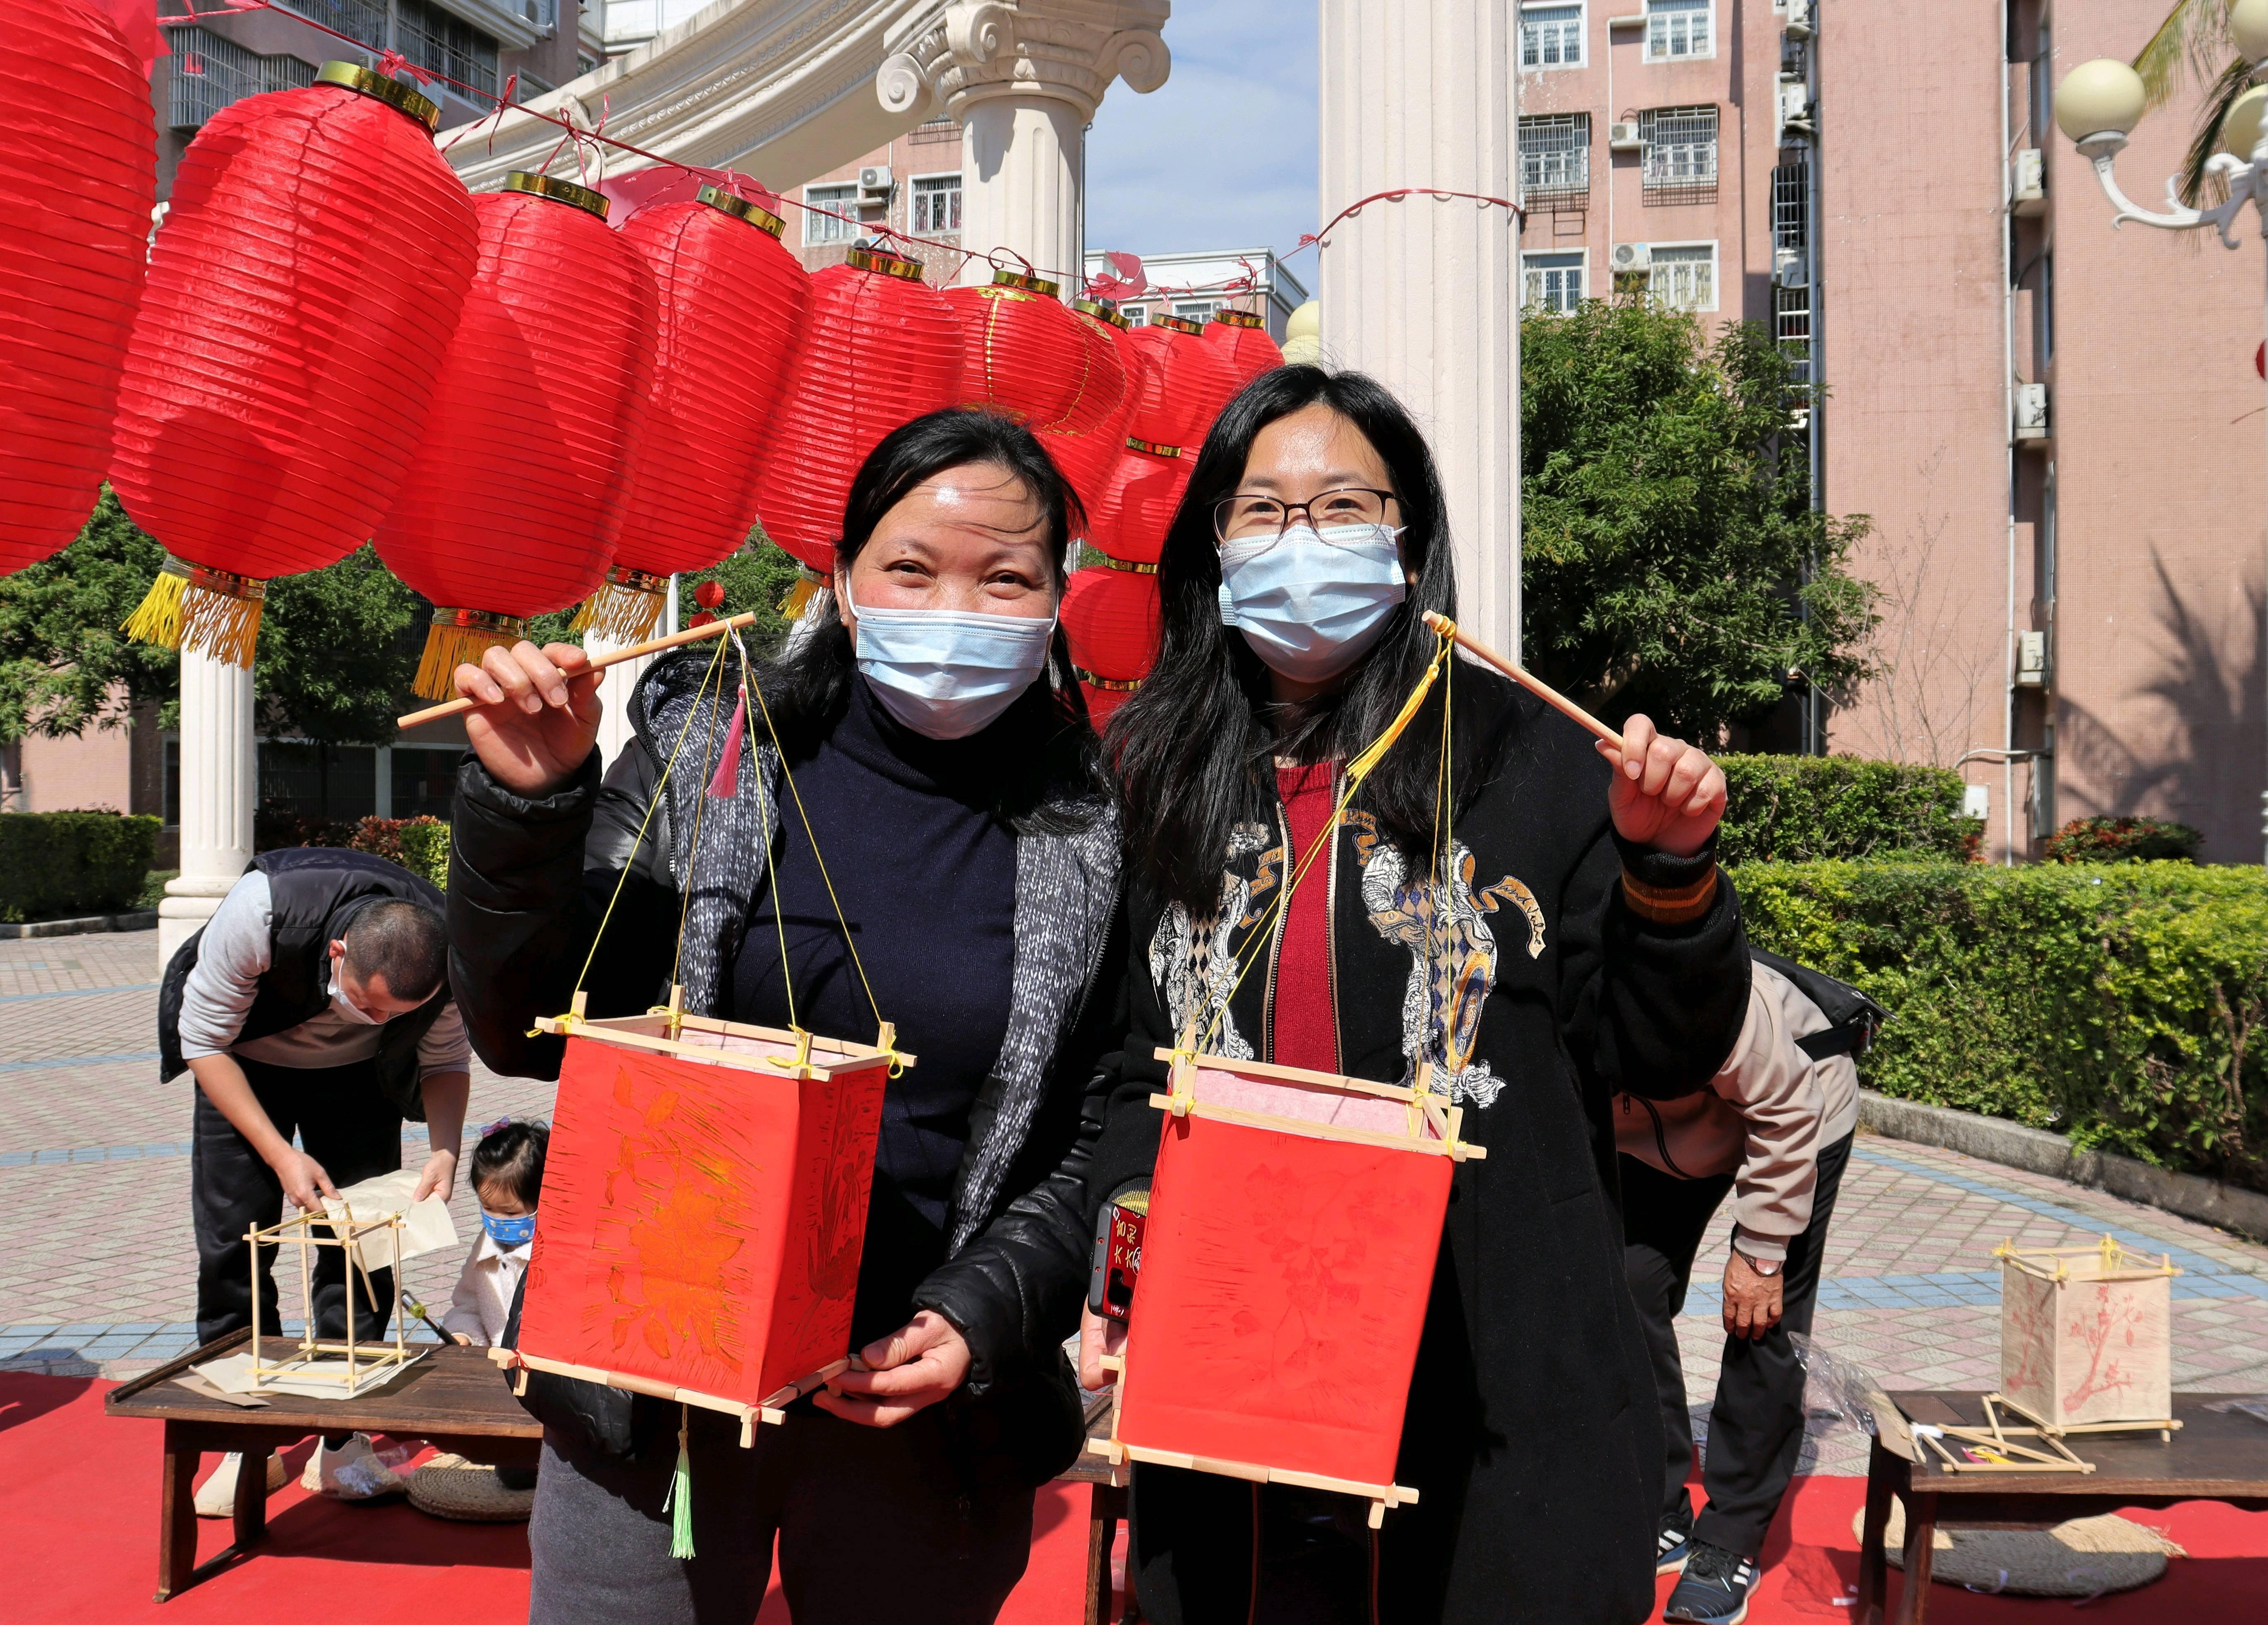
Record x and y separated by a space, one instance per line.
1058 50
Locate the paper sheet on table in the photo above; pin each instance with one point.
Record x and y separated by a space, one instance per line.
232 1374
426 1226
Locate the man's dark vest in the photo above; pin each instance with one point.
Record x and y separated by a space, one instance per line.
315 893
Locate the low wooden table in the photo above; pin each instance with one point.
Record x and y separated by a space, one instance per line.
453 1397
2215 1456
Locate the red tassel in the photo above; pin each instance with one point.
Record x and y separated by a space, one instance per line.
724 783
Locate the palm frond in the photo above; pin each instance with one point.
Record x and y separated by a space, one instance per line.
2189 44
2194 184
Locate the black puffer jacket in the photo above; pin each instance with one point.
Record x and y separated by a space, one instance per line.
529 882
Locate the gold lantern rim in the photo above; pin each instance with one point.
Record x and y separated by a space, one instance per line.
368 82
1237 318
1101 310
1152 447
1178 324
884 263
1128 565
1112 684
742 209
1029 283
558 191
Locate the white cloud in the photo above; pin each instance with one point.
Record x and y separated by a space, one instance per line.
1222 155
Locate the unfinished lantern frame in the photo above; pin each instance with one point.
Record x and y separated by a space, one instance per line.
365 1362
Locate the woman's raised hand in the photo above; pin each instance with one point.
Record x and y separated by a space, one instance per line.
1666 794
537 713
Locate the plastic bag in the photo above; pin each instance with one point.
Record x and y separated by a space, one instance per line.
1836 1390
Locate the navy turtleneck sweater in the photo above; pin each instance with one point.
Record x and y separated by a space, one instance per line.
926 878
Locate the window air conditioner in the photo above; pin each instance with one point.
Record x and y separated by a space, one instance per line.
874 182
2031 660
1795 109
1631 259
2031 411
1790 268
1799 19
1622 138
2027 188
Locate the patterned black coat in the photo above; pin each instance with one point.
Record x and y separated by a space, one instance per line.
1581 966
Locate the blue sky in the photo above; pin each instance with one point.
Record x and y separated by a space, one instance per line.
1223 154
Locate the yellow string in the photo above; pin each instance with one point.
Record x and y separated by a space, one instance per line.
764 824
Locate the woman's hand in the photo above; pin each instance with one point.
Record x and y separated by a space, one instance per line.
538 714
1666 794
1096 1338
910 1371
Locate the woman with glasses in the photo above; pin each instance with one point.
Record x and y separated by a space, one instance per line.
941 756
1600 950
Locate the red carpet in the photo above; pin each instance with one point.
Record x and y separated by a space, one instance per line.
78 1506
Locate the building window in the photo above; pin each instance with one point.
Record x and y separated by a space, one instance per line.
362 19
1551 36
1678 29
440 43
1677 149
1554 157
1791 328
1684 277
1136 315
1552 284
936 204
209 73
1791 197
1198 311
840 226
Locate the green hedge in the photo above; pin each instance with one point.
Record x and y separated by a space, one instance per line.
1791 809
2120 1003
419 844
54 866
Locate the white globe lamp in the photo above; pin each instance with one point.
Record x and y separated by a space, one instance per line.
2099 98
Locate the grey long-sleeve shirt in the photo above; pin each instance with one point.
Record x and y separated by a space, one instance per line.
222 985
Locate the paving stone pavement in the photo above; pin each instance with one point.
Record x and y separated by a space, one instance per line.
96 1268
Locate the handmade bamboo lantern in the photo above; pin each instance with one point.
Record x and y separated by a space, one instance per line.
704 1210
358 1363
1288 1255
2086 1336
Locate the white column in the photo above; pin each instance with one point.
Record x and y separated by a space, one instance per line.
219 787
615 730
1423 294
1021 161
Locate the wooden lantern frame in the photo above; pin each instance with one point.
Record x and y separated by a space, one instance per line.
1430 1128
305 1365
669 1029
2112 1264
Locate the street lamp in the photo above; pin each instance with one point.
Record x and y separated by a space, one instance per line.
2099 103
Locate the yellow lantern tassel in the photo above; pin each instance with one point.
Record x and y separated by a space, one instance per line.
808 585
189 606
626 608
461 638
158 620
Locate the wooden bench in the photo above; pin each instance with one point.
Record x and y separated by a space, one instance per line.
2214 1456
453 1397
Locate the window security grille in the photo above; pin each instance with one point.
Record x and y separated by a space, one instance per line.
1791 328
936 204
829 228
1790 194
1683 278
1196 310
1677 149
208 73
1555 158
440 43
1677 29
1551 283
1551 36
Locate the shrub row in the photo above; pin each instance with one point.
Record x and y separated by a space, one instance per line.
2120 1003
419 844
1797 808
56 864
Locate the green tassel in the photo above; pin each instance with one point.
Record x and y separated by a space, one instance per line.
679 1502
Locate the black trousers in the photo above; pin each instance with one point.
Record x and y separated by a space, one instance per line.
344 1122
1756 1427
873 1525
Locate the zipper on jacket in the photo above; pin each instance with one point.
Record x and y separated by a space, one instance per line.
1661 1138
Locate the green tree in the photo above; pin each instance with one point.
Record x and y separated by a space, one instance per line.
64 664
757 576
338 650
1672 564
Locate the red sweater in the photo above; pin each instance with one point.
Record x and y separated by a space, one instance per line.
1305 1031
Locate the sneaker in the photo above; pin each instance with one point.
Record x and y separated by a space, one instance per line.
216 1498
1714 1588
1671 1548
351 1473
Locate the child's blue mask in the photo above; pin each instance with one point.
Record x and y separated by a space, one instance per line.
516 1231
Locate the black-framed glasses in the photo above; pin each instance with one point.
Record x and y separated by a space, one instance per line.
1249 516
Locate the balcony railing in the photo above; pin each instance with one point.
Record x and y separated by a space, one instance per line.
208 73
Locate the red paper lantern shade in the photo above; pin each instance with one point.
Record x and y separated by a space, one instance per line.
513 501
880 348
1138 504
732 301
300 296
1087 445
1111 621
1188 383
1245 337
78 154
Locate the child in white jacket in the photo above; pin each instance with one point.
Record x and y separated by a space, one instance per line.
507 1177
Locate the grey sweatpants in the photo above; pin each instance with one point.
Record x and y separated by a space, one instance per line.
872 1524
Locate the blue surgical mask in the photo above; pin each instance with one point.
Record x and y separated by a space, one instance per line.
1311 604
946 673
516 1231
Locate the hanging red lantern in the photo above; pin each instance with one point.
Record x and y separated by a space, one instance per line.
730 329
1139 500
512 504
880 348
78 157
1110 619
1245 337
1087 444
311 270
1188 382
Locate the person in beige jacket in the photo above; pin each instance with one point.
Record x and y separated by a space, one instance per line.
1773 1130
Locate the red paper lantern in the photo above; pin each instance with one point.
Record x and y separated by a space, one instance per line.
513 501
300 297
1138 504
880 348
733 302
1188 383
78 156
1111 620
1087 445
1245 337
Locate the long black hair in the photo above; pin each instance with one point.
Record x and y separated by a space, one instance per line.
1192 747
808 687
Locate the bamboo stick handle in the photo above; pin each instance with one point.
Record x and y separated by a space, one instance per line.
653 645
1543 690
